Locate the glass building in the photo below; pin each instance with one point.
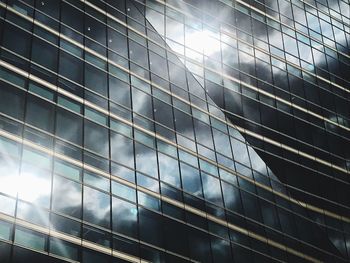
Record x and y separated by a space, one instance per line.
174 131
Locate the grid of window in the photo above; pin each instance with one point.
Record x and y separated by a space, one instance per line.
124 139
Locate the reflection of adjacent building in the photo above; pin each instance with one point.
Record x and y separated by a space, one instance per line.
177 131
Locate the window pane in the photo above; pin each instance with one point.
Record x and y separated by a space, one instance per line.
95 79
119 91
124 216
122 149
44 54
232 197
169 170
40 113
150 221
36 158
72 17
49 7
148 201
124 191
68 170
146 160
71 67
138 54
5 230
121 127
63 249
90 256
142 103
174 229
211 189
191 180
34 183
148 182
95 30
66 197
221 250
69 104
41 91
12 77
201 251
7 205
5 251
96 235
117 42
66 225
31 239
96 138
9 168
96 116
96 181
123 172
96 207
16 40
11 101
33 214
69 126
22 255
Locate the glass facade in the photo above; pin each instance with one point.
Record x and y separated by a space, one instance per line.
174 131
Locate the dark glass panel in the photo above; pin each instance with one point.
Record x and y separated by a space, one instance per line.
96 236
44 54
95 30
184 123
191 180
119 91
124 216
16 40
69 126
163 113
40 113
117 42
96 138
71 67
221 250
126 245
72 17
49 7
5 251
201 250
11 101
64 249
138 54
148 223
175 235
95 79
21 255
66 225
91 256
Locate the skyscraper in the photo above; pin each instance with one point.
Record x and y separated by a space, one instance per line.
174 131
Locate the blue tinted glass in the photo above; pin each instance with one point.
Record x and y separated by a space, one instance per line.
123 191
191 180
